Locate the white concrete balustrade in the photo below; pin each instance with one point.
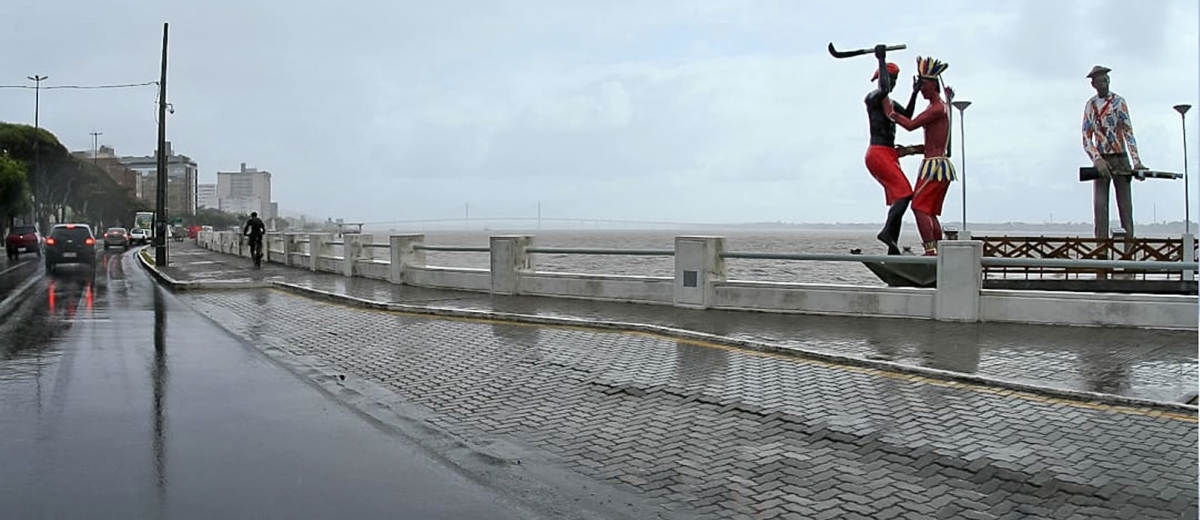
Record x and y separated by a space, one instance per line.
700 282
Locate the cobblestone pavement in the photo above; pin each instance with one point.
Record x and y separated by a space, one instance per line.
722 433
1150 364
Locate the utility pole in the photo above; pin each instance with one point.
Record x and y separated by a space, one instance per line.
160 215
37 140
539 216
467 216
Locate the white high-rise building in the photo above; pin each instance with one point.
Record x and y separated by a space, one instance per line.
245 191
206 196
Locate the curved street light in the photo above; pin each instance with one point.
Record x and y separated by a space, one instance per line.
962 159
1187 203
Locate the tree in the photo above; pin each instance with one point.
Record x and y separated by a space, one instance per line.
213 217
14 188
64 183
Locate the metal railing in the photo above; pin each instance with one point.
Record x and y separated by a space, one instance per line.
456 249
600 251
987 261
1141 265
831 257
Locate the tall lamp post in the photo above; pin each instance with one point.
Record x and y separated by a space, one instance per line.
962 159
37 139
1187 203
1189 241
96 146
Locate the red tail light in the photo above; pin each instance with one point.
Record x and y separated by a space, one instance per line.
90 241
70 226
49 241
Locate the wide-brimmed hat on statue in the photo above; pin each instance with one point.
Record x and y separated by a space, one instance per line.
1097 70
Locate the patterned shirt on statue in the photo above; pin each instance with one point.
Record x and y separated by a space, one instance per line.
1107 128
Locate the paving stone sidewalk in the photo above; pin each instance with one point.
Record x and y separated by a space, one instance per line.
712 432
1150 364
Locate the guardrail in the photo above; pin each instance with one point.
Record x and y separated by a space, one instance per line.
700 279
1141 265
457 249
600 251
832 257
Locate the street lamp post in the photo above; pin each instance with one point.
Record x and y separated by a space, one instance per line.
96 145
962 159
37 156
1189 241
1187 204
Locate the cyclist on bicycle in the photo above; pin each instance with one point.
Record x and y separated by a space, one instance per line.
255 229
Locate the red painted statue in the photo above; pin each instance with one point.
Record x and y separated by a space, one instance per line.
937 172
882 158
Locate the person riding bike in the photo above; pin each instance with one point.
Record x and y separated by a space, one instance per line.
255 229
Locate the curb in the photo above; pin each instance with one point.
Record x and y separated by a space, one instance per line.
14 299
1083 397
207 285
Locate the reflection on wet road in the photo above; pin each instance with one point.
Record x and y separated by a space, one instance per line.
116 401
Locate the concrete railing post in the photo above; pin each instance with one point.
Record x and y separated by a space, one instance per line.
959 280
698 267
268 239
404 254
319 247
1189 254
354 250
289 248
509 259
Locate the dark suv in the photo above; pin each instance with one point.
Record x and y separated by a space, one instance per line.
22 239
70 244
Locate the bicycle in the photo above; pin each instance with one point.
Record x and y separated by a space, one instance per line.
256 250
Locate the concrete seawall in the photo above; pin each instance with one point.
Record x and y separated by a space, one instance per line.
700 282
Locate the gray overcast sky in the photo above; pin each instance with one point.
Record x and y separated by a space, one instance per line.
680 110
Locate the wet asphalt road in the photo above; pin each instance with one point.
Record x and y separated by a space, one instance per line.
117 401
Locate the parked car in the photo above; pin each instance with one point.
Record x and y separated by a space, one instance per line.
139 236
70 244
116 237
23 239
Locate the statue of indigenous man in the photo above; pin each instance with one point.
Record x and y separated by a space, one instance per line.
937 171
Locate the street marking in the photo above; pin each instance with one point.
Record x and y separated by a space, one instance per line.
22 263
795 358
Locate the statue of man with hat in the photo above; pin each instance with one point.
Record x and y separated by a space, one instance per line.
1109 143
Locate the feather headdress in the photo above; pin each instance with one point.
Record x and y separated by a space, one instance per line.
930 67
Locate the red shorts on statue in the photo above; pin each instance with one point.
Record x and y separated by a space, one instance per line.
929 196
884 164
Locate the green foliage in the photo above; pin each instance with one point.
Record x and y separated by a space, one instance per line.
213 217
14 188
64 184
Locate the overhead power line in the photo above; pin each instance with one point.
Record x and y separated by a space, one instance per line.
83 87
